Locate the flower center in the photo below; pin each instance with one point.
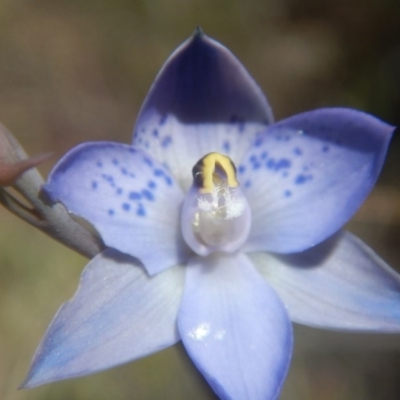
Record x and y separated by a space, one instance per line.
215 212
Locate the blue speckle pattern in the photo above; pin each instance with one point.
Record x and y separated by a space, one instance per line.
166 141
258 142
302 179
287 159
178 146
140 211
148 195
298 151
226 146
135 196
127 190
159 173
148 161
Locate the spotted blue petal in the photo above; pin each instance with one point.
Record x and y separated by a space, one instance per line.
130 198
307 175
118 314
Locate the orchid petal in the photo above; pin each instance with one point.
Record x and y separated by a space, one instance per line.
128 197
307 175
339 284
202 100
118 314
234 327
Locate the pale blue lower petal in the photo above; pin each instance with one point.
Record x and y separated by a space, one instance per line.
340 284
130 198
307 175
118 314
235 328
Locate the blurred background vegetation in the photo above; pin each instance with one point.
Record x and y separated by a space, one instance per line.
78 70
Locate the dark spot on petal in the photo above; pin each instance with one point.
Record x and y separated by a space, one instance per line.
141 212
168 180
166 141
282 164
135 196
301 179
258 142
148 161
287 193
298 151
147 195
226 146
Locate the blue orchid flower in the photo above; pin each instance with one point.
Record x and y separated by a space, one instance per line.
221 228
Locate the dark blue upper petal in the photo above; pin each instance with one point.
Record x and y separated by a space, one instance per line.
202 82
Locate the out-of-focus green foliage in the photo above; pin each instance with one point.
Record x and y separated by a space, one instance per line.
73 70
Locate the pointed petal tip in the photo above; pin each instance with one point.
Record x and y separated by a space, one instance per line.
30 382
203 82
198 32
87 337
